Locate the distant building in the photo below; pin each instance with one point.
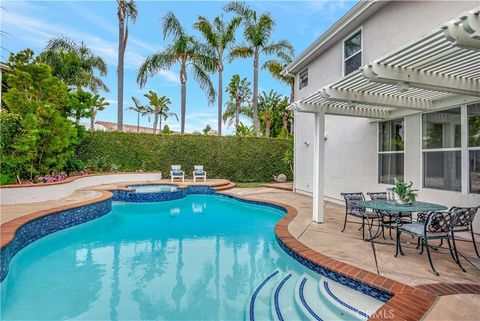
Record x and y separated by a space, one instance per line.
109 126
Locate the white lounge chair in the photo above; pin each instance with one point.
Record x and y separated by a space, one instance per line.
177 173
199 173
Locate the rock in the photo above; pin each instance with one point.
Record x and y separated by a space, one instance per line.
282 178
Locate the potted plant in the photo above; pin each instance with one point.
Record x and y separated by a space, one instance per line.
405 192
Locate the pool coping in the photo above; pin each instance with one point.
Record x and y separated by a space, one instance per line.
407 302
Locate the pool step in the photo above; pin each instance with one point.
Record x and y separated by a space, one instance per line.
224 187
352 302
289 296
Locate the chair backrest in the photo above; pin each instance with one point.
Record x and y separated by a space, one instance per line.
198 168
377 195
464 216
440 222
351 200
176 167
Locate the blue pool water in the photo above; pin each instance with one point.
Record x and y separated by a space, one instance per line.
198 258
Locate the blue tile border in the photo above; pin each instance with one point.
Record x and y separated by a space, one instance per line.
132 196
364 288
255 293
348 306
304 302
276 295
50 223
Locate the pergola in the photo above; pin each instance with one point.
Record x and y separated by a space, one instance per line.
440 70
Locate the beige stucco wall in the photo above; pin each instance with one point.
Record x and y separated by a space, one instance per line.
351 145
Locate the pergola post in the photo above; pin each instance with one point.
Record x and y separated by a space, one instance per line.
318 166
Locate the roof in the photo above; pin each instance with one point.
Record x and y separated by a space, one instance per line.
339 29
110 126
439 70
4 66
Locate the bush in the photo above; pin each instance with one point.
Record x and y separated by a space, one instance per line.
240 159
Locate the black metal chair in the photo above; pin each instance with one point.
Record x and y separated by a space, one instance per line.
388 218
464 223
351 208
432 226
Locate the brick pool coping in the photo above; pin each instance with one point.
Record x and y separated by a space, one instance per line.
407 302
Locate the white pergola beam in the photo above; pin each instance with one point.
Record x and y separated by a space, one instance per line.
377 99
422 79
331 109
464 32
318 167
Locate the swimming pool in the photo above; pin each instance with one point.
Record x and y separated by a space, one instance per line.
202 257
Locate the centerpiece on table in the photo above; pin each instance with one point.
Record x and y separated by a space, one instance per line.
406 194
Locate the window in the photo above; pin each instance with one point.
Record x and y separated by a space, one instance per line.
473 120
303 78
442 166
390 152
352 53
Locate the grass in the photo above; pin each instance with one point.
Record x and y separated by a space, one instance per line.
250 184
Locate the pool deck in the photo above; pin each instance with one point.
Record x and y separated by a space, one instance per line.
454 295
412 269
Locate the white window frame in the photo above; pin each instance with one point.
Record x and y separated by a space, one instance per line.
390 152
343 49
464 150
299 79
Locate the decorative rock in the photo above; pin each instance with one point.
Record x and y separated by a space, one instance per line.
282 178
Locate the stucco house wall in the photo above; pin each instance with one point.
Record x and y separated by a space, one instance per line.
351 144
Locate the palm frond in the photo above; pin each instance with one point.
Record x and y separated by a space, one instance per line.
204 81
207 31
172 26
283 47
154 63
242 51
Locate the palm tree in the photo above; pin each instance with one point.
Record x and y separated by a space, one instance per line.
268 105
75 64
275 67
258 29
239 93
159 107
219 35
186 51
126 9
97 104
139 109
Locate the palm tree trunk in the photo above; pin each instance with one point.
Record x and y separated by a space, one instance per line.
92 122
183 94
268 123
138 122
155 121
121 56
220 98
256 121
237 113
160 126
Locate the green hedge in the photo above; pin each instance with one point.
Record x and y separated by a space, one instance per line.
240 159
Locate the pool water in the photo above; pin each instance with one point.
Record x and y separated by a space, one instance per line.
197 258
153 188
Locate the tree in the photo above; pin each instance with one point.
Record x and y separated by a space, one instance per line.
126 9
207 129
75 64
239 93
185 51
275 67
258 29
159 107
46 139
166 130
97 104
79 105
139 109
220 36
268 105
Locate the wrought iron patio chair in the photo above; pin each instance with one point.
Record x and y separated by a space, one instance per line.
433 226
388 218
464 223
351 208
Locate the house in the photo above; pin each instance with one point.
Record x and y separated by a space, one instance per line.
391 90
109 126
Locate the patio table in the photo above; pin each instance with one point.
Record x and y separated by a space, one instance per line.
392 208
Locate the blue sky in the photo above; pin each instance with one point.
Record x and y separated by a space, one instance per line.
29 24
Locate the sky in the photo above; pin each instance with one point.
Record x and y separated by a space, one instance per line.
30 24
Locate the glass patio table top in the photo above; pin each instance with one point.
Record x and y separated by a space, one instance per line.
391 206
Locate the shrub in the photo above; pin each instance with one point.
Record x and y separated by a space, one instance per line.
240 159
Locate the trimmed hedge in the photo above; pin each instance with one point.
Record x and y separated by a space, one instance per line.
239 159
